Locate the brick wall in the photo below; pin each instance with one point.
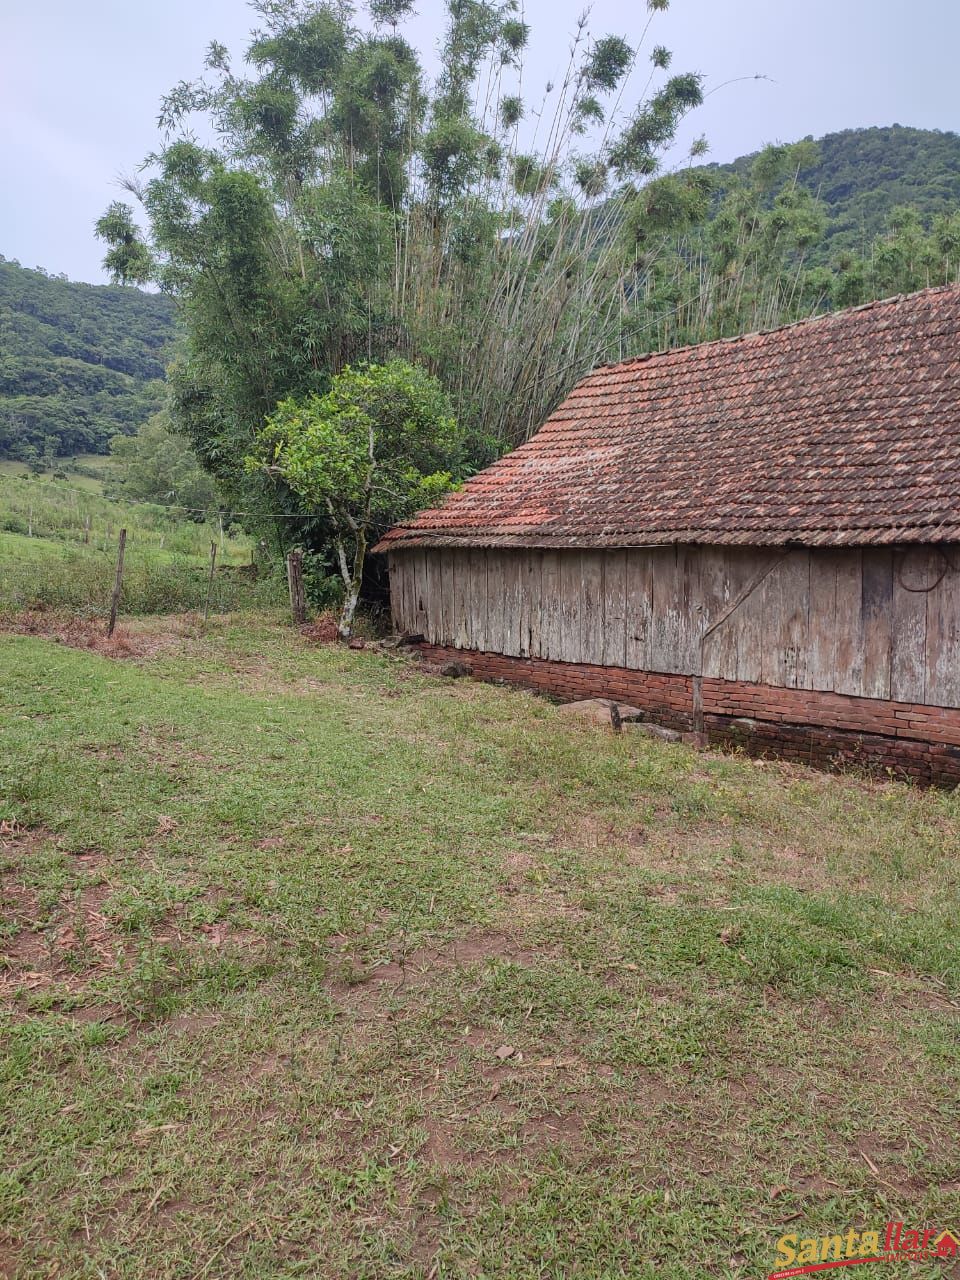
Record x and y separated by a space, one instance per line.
823 729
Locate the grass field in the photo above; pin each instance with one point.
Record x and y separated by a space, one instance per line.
59 511
317 966
58 548
85 471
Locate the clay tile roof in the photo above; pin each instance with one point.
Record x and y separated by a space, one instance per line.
839 430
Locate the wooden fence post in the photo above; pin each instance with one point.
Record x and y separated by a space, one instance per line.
298 601
86 530
118 583
213 565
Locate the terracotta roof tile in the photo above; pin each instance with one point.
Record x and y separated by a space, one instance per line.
840 430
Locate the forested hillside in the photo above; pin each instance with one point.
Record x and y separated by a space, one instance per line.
862 175
78 362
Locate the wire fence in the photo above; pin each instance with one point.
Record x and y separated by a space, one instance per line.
58 549
51 509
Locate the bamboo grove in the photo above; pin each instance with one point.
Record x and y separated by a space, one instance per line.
325 201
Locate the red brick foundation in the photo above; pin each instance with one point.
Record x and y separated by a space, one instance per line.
829 730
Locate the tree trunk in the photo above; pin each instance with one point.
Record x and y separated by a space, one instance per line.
353 583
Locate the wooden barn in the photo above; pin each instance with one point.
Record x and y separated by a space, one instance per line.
757 539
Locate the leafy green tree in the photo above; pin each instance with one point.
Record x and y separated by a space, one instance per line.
748 251
128 259
158 465
862 175
378 446
350 209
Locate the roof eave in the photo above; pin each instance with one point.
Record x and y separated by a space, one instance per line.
419 539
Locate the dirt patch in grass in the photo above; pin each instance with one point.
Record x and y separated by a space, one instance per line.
359 985
911 990
323 630
9 1261
484 1111
802 869
256 680
518 866
62 938
68 945
505 1139
591 831
134 640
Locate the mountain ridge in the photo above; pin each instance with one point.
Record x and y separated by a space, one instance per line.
79 363
862 175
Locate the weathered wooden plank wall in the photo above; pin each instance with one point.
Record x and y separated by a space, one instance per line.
876 622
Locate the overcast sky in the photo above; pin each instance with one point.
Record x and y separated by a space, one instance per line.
80 81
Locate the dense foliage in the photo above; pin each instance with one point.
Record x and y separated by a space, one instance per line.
351 209
78 363
714 262
157 465
348 209
380 445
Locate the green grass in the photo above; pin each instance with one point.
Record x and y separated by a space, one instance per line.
85 471
58 550
57 510
272 909
43 573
